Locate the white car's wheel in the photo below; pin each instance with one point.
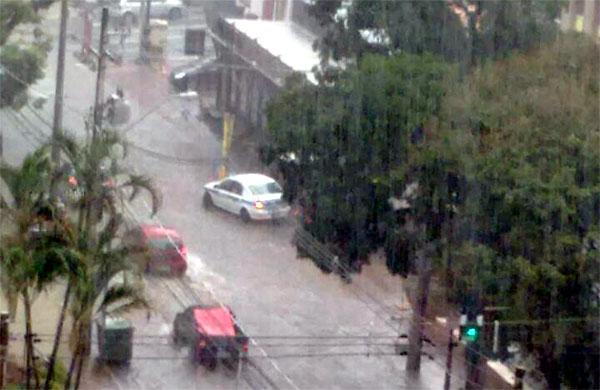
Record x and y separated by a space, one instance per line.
207 201
245 216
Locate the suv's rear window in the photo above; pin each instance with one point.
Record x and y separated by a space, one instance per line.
164 243
266 188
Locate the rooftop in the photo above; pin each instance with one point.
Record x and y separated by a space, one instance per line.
289 42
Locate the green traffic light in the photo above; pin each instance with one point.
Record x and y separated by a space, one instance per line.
471 333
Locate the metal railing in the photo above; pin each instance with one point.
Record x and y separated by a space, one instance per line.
325 259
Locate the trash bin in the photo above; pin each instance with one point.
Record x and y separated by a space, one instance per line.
115 340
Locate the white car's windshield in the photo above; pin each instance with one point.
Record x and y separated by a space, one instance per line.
266 188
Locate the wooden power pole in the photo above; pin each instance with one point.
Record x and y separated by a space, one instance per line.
99 101
60 80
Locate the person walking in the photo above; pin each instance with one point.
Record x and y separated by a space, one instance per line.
124 30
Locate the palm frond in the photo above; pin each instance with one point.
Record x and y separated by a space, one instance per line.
121 298
69 146
115 219
141 182
10 177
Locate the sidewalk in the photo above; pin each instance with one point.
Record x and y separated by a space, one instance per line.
45 314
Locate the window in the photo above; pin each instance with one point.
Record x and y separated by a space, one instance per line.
266 188
236 188
164 243
227 185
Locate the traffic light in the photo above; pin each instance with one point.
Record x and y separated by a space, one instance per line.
469 330
470 333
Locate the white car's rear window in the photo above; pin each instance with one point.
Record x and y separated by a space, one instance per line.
265 188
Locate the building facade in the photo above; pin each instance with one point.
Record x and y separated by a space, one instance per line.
255 58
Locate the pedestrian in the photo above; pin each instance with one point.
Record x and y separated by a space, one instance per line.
124 30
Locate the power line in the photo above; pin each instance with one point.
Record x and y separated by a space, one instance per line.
24 130
167 158
268 337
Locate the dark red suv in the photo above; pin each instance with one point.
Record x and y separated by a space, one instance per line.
211 333
158 249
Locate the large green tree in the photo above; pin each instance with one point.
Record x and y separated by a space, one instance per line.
350 141
524 136
501 168
465 31
21 60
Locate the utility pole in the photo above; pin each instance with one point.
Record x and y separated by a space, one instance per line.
3 346
451 345
144 31
227 116
415 335
60 78
99 101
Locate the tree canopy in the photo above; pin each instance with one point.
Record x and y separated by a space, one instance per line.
467 31
21 64
501 167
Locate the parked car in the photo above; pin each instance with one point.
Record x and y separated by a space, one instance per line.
211 334
157 249
129 10
252 196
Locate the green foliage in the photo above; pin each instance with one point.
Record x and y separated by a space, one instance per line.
506 167
524 135
460 31
20 65
13 13
59 377
349 138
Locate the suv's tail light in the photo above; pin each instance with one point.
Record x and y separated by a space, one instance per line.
183 250
72 180
245 347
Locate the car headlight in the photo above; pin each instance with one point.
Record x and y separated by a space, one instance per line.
259 205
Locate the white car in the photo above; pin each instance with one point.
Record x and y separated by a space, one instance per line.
129 10
252 196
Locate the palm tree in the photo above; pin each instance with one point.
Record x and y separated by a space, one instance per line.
33 255
96 293
105 187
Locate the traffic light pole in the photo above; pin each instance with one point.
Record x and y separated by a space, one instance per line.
415 335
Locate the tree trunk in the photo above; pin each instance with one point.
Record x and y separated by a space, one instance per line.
27 311
76 356
30 363
85 348
57 337
72 367
82 359
549 365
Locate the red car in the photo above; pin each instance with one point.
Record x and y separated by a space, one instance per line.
212 335
158 249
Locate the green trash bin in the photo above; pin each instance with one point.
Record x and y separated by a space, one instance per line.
115 340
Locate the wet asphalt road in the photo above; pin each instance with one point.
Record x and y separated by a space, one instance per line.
251 267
